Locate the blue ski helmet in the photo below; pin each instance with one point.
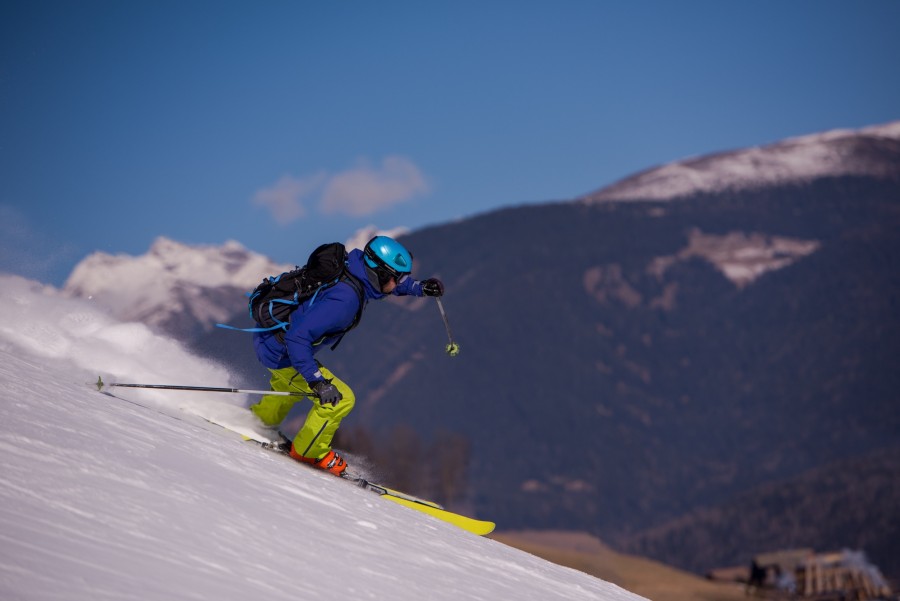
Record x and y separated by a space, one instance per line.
388 258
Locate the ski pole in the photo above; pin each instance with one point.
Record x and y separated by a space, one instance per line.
100 384
452 348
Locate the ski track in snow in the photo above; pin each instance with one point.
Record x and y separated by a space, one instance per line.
103 499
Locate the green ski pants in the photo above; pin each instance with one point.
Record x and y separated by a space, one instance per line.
315 436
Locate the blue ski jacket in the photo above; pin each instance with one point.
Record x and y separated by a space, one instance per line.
318 322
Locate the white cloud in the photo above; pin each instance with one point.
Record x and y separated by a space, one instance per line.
365 190
284 199
361 237
356 192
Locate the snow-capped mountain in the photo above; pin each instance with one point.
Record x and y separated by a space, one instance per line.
863 152
105 499
174 287
178 288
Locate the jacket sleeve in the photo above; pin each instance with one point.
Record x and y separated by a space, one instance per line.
328 314
408 287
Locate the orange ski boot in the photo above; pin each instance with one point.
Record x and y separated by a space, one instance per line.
331 462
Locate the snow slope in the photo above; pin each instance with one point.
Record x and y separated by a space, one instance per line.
103 499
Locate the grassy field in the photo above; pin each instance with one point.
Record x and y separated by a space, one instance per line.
644 577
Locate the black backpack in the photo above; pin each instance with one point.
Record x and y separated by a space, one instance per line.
272 302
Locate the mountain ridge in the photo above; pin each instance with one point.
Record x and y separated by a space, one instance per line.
869 152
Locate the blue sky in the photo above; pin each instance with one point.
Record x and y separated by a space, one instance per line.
286 124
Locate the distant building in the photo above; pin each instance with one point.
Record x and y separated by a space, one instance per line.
840 576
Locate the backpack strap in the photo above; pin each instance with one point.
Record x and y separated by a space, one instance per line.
225 326
283 325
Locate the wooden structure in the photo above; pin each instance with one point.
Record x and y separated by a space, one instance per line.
846 575
802 573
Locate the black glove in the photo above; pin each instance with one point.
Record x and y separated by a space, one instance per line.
433 287
327 392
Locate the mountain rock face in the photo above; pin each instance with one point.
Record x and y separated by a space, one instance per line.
650 360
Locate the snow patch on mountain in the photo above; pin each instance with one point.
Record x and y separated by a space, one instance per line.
834 153
741 257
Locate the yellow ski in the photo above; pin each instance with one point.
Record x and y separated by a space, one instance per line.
472 525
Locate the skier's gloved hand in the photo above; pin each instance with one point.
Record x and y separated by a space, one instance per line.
433 287
326 391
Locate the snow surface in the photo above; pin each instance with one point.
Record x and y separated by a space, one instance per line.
104 499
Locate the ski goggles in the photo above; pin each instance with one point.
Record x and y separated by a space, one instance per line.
385 273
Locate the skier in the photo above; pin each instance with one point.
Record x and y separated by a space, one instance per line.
382 268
